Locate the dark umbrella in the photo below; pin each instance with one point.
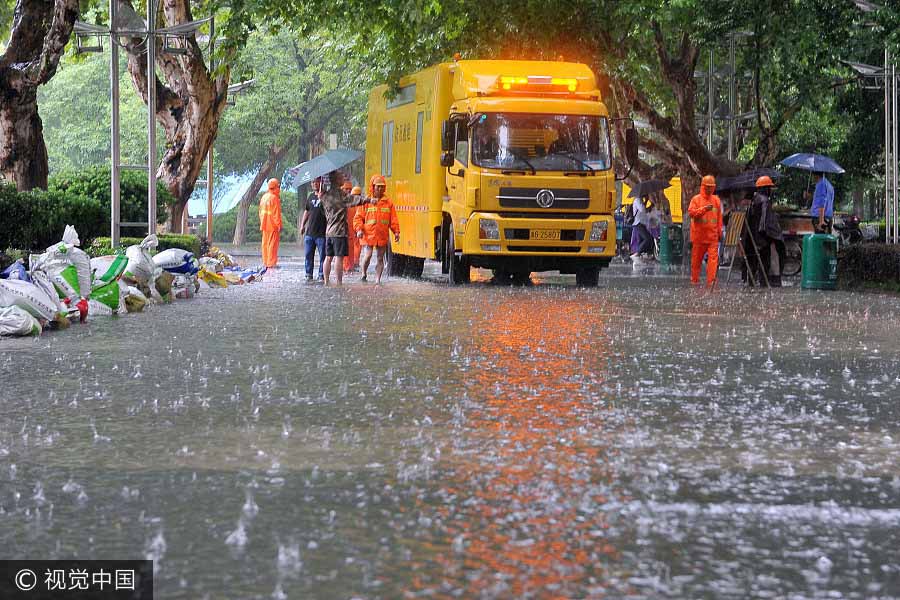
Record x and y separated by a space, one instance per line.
322 165
645 188
813 162
745 181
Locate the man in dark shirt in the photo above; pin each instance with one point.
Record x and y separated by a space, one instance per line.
335 204
312 227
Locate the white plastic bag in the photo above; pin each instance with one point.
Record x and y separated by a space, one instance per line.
140 263
14 292
16 321
74 282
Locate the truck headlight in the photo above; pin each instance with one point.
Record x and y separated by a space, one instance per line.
488 229
598 231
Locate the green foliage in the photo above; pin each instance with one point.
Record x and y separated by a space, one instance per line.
34 220
76 113
102 246
863 264
94 182
223 225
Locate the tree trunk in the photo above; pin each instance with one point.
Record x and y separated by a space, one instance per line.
38 37
188 106
276 153
23 154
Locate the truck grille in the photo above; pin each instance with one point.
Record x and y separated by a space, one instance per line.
528 198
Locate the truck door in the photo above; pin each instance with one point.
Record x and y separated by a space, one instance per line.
456 175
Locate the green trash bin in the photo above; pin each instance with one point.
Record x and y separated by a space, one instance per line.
819 262
671 243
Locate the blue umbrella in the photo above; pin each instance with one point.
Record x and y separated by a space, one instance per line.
322 165
812 162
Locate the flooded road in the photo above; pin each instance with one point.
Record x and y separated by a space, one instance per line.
638 440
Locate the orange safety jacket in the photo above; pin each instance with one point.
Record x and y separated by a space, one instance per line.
375 220
706 226
270 211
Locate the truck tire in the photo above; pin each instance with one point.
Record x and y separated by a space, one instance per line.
414 267
589 277
460 271
396 263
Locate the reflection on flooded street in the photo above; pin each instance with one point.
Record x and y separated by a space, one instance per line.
640 440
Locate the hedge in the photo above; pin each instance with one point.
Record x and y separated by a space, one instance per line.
34 220
102 246
867 264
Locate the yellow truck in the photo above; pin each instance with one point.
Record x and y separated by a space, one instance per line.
672 194
503 165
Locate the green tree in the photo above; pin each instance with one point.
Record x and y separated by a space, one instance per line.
303 86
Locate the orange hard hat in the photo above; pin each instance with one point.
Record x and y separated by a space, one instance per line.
378 180
765 181
356 191
708 180
273 184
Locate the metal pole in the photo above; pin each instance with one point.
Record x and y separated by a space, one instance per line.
894 166
888 95
115 152
732 99
151 116
710 103
209 156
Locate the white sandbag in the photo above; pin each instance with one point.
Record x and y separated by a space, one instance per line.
98 309
16 321
184 287
14 292
213 265
176 260
42 281
140 263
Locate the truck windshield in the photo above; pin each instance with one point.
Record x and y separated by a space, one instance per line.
541 142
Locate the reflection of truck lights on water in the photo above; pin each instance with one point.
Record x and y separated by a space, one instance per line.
475 149
530 466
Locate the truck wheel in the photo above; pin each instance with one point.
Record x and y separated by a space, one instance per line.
460 271
589 277
414 267
521 277
396 263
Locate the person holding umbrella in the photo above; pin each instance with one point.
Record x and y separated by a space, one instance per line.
336 204
822 209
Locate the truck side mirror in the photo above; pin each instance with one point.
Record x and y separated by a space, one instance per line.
447 158
447 131
631 146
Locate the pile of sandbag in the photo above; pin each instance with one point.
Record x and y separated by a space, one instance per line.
63 282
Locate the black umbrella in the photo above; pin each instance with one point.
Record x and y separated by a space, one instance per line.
745 181
645 188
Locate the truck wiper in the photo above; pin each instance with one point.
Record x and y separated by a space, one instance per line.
514 172
524 160
576 159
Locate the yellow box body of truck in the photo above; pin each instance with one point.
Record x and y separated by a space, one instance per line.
505 165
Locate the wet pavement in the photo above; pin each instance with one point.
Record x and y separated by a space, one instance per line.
638 440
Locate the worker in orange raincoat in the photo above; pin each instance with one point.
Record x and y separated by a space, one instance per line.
270 223
705 211
373 222
351 261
